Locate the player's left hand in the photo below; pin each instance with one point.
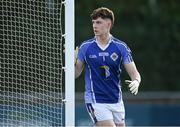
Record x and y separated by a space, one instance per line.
133 85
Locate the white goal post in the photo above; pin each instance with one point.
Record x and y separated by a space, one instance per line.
69 64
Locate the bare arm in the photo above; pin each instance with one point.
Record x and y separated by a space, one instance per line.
78 68
132 71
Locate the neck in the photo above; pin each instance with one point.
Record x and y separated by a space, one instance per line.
103 39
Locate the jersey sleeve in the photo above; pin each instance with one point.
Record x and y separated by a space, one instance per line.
126 54
81 54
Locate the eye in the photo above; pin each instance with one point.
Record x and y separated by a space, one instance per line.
98 22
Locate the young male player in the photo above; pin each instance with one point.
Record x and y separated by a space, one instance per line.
103 57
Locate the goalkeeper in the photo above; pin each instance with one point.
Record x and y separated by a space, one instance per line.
103 57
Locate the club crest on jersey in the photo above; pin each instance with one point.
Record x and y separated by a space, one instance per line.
114 56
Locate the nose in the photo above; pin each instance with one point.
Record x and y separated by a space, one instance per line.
94 29
94 25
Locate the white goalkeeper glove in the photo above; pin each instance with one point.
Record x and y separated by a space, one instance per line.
75 54
133 85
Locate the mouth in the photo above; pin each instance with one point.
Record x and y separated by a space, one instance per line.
95 31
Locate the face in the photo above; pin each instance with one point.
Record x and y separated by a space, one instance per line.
101 26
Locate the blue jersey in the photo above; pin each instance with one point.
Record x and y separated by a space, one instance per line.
103 69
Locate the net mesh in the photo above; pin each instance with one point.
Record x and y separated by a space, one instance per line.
30 63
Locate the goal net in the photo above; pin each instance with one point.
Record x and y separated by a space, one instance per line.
30 63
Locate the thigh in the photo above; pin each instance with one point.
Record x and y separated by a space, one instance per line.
99 113
106 123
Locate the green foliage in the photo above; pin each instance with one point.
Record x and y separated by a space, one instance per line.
151 28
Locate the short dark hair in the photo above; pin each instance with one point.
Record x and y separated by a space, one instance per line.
104 13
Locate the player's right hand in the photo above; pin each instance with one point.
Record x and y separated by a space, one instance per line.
75 54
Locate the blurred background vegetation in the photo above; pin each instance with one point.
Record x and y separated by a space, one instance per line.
151 28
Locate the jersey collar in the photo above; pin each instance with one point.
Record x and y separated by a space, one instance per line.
104 48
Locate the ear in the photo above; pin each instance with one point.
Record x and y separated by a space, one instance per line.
109 24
